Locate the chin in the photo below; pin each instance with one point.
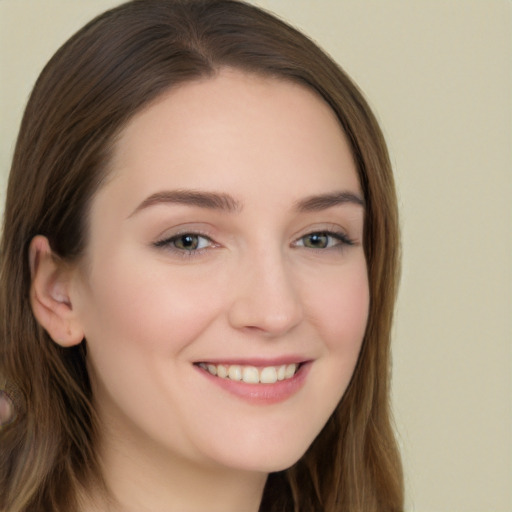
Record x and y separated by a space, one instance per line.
264 457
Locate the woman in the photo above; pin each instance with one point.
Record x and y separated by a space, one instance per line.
199 265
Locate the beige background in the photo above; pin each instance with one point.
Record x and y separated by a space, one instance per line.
439 75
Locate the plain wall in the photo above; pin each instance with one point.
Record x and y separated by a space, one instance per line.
439 76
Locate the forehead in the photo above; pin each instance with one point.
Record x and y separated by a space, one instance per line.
220 131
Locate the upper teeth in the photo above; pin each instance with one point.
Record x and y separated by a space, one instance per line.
251 374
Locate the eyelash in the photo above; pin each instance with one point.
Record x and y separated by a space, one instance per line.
338 241
169 244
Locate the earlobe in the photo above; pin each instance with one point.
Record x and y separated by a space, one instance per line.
50 294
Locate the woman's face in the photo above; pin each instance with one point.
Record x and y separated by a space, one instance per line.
228 240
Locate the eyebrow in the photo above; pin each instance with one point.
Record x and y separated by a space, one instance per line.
225 202
325 201
208 200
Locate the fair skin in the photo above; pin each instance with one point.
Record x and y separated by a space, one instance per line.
228 234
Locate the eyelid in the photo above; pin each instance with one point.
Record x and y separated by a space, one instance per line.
333 232
166 242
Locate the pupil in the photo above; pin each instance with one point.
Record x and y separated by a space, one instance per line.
318 240
188 242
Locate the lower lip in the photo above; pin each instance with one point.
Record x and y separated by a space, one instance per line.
264 394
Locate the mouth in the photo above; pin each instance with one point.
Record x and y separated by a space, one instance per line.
252 374
257 382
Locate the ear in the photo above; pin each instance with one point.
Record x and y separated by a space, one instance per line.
50 294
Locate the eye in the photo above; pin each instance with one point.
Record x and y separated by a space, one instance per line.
323 240
186 242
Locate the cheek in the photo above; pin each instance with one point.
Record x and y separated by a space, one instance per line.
340 314
337 314
139 326
341 307
148 313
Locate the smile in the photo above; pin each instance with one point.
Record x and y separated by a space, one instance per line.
252 374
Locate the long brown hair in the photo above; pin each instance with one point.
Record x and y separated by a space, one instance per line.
94 84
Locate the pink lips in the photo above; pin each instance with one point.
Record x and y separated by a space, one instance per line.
263 394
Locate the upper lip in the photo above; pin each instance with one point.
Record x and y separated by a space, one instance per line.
257 361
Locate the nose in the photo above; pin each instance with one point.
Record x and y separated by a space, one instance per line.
266 299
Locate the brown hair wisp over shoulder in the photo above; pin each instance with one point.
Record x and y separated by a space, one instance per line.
113 67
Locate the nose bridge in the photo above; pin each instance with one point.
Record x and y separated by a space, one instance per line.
265 296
